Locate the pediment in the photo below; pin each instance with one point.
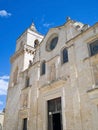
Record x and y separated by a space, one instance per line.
69 30
57 37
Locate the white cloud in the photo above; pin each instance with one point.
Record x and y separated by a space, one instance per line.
4 77
3 84
1 103
47 24
4 13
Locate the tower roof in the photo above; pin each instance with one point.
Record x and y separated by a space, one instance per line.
33 28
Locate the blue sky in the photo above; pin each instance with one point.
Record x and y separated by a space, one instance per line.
17 15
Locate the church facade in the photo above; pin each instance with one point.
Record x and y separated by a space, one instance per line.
54 79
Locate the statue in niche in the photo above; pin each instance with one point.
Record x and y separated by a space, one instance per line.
25 100
52 76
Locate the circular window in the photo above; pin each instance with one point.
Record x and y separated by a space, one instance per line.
52 43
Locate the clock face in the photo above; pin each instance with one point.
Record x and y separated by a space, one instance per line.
52 43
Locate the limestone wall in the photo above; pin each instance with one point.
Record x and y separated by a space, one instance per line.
1 120
70 81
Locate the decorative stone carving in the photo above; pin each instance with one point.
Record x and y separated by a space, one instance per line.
25 100
52 72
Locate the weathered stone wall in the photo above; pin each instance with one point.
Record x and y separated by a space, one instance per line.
1 120
72 81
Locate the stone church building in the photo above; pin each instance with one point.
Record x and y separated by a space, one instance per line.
54 79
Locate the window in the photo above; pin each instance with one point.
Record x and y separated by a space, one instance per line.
52 42
64 56
54 105
36 43
43 68
25 124
93 48
27 81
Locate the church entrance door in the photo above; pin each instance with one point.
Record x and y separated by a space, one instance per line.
54 114
56 121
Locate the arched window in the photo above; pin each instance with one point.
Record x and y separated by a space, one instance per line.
64 56
15 76
36 43
43 68
52 42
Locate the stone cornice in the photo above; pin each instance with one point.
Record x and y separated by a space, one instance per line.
71 41
57 82
93 95
25 48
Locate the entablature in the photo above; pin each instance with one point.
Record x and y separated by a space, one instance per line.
54 83
24 48
92 28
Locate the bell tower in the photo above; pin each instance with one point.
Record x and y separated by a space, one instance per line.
24 54
26 44
22 58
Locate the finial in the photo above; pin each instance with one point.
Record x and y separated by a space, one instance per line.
68 18
32 27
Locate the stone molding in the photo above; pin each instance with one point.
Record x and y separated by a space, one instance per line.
25 48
